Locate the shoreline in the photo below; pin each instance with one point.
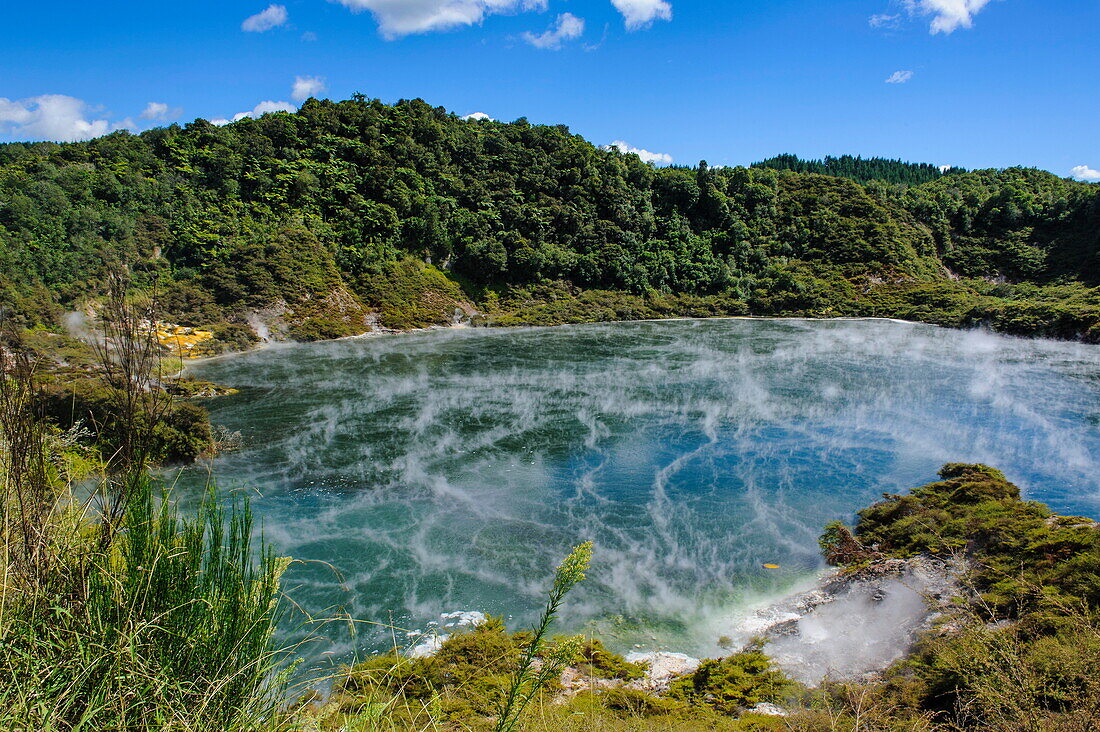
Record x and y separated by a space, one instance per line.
383 332
845 625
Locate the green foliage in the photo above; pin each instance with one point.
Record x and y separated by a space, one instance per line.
289 265
734 683
595 660
484 674
410 294
167 628
468 676
1010 677
860 169
391 205
640 703
119 611
528 680
1019 223
322 329
1026 648
181 434
1025 560
231 336
558 303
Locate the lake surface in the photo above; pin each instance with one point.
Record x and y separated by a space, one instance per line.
451 470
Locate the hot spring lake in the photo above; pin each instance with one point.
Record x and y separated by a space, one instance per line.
451 470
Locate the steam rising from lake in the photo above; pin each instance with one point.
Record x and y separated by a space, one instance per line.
451 470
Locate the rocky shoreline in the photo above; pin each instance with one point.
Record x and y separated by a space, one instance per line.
849 627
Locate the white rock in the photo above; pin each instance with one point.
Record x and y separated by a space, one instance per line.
763 620
770 710
433 640
428 647
664 665
463 619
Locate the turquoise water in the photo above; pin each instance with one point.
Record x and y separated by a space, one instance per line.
450 470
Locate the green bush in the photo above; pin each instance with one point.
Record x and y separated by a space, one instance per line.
410 294
595 660
1023 651
734 683
182 433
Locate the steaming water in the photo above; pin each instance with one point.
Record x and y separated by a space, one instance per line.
450 470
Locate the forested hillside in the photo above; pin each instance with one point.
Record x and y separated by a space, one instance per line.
861 169
346 208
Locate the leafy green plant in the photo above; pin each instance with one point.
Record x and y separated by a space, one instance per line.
126 612
528 679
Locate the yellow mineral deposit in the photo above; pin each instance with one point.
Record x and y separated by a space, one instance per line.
181 340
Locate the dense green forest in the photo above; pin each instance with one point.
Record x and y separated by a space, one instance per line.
344 209
861 169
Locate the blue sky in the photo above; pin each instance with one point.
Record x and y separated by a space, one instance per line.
977 83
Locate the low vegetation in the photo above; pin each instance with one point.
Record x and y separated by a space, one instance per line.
1022 650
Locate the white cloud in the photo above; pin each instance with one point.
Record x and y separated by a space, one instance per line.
263 108
15 113
883 20
1080 172
220 122
641 13
155 110
306 87
272 17
398 18
53 117
160 112
565 28
645 155
899 77
478 117
947 15
945 168
309 36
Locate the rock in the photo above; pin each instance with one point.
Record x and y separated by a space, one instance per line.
433 642
665 666
428 647
463 619
770 710
574 682
855 622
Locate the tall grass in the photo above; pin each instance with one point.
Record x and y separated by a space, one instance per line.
123 612
26 498
169 629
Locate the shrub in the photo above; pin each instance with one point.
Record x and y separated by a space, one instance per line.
595 660
734 683
1022 649
181 433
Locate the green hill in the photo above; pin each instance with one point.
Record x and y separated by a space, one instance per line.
405 210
